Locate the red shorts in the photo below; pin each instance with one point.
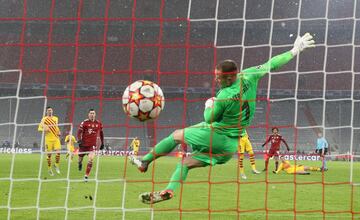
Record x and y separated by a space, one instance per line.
86 149
273 153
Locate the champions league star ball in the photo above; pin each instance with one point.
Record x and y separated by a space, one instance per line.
143 100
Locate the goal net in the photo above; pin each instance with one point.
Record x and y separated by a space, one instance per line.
74 56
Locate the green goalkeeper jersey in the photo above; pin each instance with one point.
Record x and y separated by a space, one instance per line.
234 106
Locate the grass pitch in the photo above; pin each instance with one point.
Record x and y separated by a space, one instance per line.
209 193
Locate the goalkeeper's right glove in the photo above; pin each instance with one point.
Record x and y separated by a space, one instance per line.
301 43
209 103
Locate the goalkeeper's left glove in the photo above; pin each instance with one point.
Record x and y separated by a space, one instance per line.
209 103
301 43
102 147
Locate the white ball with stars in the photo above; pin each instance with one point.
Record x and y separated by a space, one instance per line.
143 100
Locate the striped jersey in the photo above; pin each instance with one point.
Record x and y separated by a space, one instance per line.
52 123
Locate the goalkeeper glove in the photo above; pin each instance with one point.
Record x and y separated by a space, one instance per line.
102 147
209 103
79 142
301 43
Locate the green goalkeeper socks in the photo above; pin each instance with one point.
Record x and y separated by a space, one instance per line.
178 176
162 148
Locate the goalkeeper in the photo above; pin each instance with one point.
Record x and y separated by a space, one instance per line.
226 117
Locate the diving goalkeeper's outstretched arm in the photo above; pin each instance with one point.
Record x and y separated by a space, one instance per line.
214 107
301 43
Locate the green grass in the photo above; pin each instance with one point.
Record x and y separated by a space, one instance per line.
227 197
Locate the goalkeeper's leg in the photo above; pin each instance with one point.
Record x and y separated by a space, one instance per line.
177 178
164 147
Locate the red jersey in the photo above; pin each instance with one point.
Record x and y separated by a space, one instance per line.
89 131
275 142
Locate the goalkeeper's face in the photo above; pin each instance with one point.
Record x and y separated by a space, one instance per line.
224 79
92 115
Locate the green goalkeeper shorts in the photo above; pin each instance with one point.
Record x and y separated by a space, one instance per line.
209 146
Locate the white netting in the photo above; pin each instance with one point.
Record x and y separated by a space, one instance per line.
317 91
301 103
19 133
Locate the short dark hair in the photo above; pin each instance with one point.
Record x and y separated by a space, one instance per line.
227 66
91 109
274 128
48 107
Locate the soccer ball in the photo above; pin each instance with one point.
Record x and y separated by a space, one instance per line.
143 100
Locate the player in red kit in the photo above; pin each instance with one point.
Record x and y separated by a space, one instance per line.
275 140
88 133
